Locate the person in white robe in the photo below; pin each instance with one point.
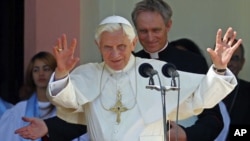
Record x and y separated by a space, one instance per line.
12 118
111 97
33 94
34 101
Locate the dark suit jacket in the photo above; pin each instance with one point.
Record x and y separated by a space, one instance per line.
183 60
209 123
60 130
238 105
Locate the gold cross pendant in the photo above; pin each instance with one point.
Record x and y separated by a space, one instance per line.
118 108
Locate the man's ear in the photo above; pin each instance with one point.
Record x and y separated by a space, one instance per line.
169 25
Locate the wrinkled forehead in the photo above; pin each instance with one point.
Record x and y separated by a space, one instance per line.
115 37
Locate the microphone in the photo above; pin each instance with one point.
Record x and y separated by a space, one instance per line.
146 70
169 70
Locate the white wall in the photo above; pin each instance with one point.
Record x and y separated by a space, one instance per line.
90 12
199 20
194 19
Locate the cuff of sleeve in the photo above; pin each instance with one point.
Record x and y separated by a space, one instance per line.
219 71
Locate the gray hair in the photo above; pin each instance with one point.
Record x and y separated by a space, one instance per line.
153 6
111 27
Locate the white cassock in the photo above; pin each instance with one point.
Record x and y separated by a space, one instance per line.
86 95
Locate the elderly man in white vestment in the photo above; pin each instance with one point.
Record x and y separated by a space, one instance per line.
110 97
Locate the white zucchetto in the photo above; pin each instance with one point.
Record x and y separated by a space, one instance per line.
115 19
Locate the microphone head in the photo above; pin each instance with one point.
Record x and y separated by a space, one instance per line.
169 70
146 70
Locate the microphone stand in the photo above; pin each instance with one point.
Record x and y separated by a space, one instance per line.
165 122
163 94
151 80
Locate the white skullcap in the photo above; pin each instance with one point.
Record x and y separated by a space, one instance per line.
115 19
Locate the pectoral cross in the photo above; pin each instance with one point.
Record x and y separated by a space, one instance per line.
118 108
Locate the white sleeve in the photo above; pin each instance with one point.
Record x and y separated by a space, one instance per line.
56 86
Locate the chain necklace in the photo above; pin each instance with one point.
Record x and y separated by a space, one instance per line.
118 107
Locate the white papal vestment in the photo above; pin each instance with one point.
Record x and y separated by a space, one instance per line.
85 96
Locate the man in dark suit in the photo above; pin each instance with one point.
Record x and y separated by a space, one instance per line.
152 20
237 102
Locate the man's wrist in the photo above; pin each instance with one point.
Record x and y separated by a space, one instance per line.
219 71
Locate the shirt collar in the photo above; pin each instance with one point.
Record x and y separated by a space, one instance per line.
155 55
